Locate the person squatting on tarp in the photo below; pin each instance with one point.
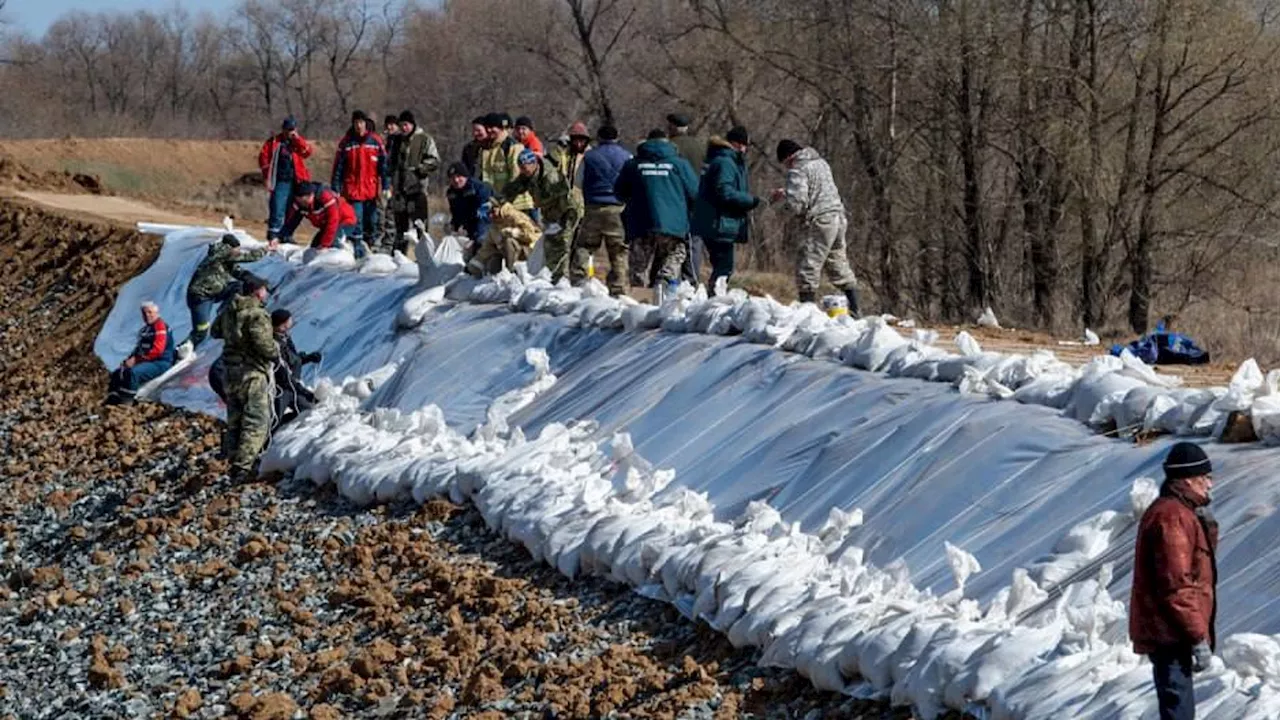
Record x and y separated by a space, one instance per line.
722 215
1174 603
249 353
292 397
509 240
415 159
329 213
469 203
602 216
360 175
553 196
216 280
283 164
815 217
151 357
661 187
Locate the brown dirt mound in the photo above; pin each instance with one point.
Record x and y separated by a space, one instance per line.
16 175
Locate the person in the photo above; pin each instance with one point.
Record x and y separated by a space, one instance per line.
416 158
690 147
329 213
554 198
249 351
471 151
292 396
602 218
509 240
151 357
526 136
283 161
360 175
1175 575
500 162
469 201
214 282
663 188
721 216
816 217
387 233
568 160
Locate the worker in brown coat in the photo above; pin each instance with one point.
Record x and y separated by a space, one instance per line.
1175 576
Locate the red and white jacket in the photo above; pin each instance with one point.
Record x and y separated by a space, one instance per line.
329 212
360 168
270 154
153 343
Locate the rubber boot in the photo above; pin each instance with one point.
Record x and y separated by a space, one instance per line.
807 297
851 296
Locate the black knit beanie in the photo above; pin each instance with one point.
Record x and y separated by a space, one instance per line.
1186 460
231 240
280 317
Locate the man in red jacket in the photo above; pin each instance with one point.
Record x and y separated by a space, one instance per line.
360 175
283 164
1175 576
328 211
152 357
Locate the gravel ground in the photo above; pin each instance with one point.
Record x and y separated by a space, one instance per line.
138 583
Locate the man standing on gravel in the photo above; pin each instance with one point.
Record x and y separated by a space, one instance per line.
214 282
249 354
283 161
153 356
815 213
1175 577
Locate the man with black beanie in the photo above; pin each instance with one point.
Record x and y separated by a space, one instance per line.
1175 575
416 159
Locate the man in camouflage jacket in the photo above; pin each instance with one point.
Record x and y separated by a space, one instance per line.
249 353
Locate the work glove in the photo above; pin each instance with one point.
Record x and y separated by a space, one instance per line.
1201 656
313 357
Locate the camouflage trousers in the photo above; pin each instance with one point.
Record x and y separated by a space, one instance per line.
669 254
556 248
248 418
822 247
497 250
602 225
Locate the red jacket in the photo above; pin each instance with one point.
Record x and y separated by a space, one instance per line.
329 212
1175 577
360 167
153 342
534 143
270 152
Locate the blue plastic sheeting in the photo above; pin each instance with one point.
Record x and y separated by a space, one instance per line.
1002 480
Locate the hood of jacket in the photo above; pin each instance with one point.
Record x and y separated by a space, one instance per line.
806 156
657 150
718 147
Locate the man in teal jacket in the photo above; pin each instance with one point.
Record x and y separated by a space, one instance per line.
722 215
661 188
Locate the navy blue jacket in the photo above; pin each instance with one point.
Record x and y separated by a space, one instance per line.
600 168
468 208
659 188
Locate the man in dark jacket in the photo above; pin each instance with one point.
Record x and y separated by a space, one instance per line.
690 147
215 281
283 162
151 358
293 397
471 151
662 187
360 175
416 158
469 204
722 216
602 218
1175 576
387 231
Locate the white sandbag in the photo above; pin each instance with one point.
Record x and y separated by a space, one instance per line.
1050 390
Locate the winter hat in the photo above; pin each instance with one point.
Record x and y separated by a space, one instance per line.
787 148
579 130
390 120
524 121
678 120
607 132
1186 460
280 317
527 157
304 188
407 117
738 135
505 119
289 124
458 170
252 283
656 134
493 120
231 240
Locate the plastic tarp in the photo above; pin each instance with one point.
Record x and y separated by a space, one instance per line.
1024 505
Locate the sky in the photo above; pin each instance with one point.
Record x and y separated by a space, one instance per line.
35 16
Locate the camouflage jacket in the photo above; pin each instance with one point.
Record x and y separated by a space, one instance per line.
249 342
218 268
551 193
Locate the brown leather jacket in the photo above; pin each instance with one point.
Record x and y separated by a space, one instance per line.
1175 575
